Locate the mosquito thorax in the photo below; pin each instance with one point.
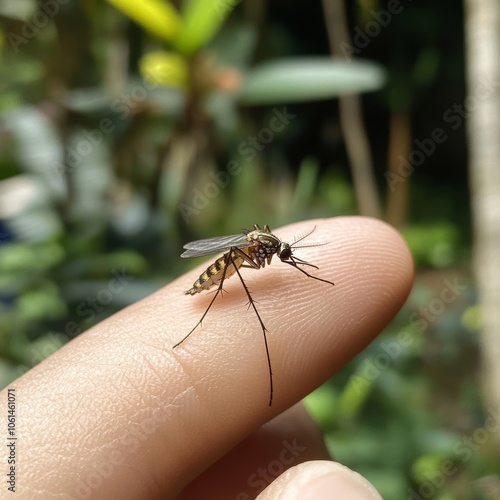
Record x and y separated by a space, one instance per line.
268 241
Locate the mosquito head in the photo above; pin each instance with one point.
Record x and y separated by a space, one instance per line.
285 251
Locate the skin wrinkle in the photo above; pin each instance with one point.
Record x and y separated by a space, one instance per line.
209 351
96 417
190 368
156 361
194 382
146 379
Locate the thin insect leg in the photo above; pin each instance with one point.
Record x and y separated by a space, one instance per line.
294 264
219 290
244 256
251 265
303 262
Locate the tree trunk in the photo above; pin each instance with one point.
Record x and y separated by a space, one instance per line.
399 147
351 118
483 106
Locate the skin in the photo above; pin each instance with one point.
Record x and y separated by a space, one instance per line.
118 413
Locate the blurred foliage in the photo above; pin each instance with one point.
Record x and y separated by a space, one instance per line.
128 128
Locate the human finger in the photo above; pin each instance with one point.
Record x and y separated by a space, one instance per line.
137 418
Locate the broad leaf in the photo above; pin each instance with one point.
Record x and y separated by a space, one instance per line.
297 80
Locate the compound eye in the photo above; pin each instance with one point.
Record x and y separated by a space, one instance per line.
285 254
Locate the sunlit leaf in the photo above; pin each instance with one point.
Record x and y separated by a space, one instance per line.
157 16
31 258
164 68
427 465
297 80
355 393
322 404
202 20
44 303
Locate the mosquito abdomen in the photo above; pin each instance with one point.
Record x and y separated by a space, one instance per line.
213 274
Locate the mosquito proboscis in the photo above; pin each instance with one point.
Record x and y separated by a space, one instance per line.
253 249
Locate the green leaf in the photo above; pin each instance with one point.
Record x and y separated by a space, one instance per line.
297 80
41 304
32 258
164 68
157 16
322 404
202 20
433 243
355 393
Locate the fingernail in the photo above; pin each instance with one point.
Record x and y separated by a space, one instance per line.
329 480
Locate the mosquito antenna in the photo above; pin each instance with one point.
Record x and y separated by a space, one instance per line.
303 237
312 245
293 245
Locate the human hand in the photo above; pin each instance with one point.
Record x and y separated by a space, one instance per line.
118 413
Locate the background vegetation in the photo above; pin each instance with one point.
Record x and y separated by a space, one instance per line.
129 128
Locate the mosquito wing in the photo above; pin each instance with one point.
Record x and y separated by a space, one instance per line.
209 246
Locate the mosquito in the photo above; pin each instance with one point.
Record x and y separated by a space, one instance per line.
253 249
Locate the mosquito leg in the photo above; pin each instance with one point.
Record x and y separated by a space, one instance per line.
244 256
219 290
303 262
294 264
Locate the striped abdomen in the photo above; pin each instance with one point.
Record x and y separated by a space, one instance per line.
213 274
